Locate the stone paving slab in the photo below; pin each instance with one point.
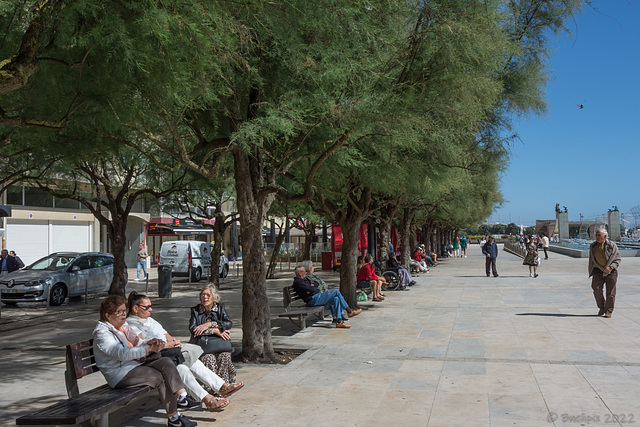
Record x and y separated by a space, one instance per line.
458 349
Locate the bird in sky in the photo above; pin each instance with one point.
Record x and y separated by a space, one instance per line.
581 106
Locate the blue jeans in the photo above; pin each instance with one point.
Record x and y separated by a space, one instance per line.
333 299
143 265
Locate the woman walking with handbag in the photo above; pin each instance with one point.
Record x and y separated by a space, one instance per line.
531 257
209 326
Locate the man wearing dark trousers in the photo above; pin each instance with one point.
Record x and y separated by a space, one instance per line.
604 259
490 250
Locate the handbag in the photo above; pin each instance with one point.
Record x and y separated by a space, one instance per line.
173 353
362 296
213 344
149 357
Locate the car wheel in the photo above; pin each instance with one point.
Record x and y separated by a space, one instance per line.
196 275
58 294
225 271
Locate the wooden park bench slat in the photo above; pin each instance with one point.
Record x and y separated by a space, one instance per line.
299 312
92 406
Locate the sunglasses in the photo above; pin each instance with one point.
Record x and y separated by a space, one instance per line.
144 307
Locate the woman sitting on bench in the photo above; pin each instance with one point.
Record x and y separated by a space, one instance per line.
118 349
140 320
367 275
210 327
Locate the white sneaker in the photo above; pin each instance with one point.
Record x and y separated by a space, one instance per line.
136 279
530 274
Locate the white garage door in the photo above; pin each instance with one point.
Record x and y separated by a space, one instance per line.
30 239
70 236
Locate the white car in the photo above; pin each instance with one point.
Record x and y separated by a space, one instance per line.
185 255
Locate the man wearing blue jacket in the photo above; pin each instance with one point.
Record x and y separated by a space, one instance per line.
490 249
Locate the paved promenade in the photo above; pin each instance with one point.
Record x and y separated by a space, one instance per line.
459 349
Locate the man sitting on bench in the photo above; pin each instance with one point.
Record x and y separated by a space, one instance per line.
309 293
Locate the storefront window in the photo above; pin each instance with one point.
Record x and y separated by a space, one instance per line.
37 197
14 195
66 203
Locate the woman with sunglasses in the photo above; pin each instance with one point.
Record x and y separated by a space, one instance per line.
140 320
117 351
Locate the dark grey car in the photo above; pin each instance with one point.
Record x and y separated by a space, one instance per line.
63 274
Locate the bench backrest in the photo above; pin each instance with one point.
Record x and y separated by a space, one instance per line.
80 363
289 296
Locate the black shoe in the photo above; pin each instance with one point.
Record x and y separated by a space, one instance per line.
496 275
182 421
188 403
413 282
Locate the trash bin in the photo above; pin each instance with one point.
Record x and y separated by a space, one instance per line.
164 281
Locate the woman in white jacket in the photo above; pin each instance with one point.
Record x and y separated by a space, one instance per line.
117 349
140 320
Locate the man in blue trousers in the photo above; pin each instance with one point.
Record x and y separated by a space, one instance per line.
309 293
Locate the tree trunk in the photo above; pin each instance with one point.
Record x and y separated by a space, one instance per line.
388 214
219 228
309 237
252 208
276 249
405 236
348 268
118 228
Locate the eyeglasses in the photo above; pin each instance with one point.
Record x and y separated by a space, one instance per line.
144 307
121 312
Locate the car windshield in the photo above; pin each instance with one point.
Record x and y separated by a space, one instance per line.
52 262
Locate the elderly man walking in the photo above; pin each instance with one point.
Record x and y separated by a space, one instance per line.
604 259
490 249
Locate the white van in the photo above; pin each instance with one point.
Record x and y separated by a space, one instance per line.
182 254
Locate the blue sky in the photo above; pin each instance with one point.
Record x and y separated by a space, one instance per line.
585 159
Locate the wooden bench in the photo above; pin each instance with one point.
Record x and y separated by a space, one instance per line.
299 312
89 408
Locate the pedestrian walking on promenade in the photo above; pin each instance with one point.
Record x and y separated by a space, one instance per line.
490 250
604 259
142 261
545 245
531 258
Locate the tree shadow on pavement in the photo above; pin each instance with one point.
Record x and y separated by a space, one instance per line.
557 315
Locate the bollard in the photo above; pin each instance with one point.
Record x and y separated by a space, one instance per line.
189 274
86 291
146 284
48 295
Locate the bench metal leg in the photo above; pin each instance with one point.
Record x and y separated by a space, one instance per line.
303 321
101 420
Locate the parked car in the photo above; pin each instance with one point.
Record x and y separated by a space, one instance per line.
185 255
64 274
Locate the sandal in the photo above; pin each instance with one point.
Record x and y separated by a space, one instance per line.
216 404
228 389
377 299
